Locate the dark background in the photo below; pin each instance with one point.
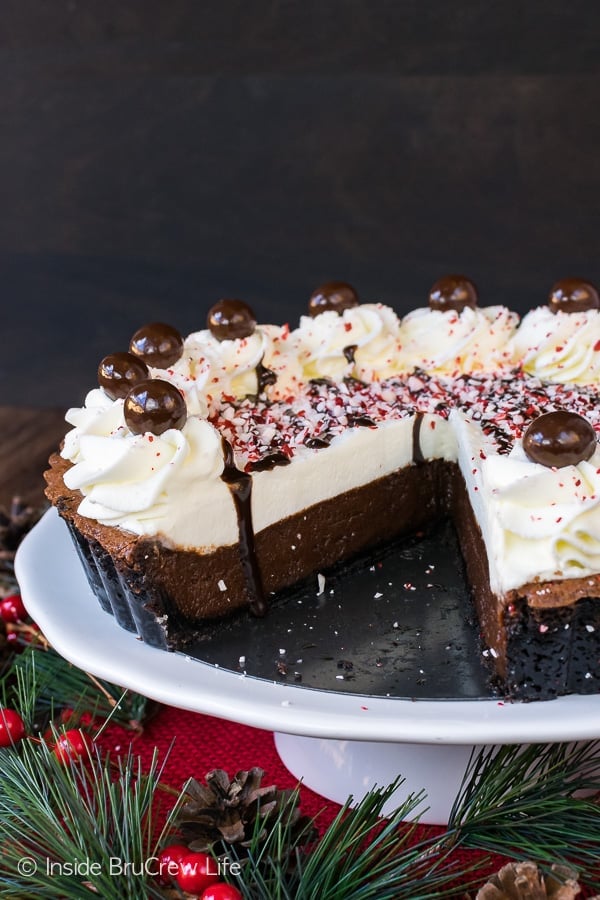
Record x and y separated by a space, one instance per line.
157 156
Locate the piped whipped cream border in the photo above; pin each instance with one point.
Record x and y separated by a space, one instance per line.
536 524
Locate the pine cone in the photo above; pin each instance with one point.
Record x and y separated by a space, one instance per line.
524 881
14 525
228 811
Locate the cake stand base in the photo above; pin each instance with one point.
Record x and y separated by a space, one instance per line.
335 769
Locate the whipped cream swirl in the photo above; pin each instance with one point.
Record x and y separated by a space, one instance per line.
545 522
233 363
361 342
191 375
561 347
447 342
281 358
209 369
144 483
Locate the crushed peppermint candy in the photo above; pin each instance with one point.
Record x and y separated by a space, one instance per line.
264 431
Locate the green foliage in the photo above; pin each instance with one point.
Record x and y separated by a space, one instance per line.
70 830
43 685
92 825
519 801
533 802
361 856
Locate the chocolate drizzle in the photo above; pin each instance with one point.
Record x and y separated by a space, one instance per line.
504 441
418 457
350 351
240 488
264 377
269 462
361 421
318 443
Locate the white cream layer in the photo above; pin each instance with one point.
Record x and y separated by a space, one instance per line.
353 459
170 486
537 523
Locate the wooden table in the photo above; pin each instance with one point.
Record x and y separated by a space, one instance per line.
28 438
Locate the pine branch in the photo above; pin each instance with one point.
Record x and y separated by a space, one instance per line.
97 811
359 857
533 803
42 684
81 827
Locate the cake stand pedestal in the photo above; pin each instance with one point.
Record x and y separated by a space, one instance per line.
338 769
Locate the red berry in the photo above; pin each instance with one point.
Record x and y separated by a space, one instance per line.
12 727
197 871
71 745
12 609
168 862
221 891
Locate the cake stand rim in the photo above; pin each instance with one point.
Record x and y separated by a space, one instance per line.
50 574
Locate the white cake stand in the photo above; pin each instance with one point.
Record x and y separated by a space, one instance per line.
337 743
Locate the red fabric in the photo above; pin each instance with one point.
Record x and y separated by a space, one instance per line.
203 743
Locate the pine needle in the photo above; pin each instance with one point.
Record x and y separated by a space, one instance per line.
533 802
361 856
41 684
80 828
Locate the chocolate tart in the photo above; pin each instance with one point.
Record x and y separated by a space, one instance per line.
183 435
546 636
